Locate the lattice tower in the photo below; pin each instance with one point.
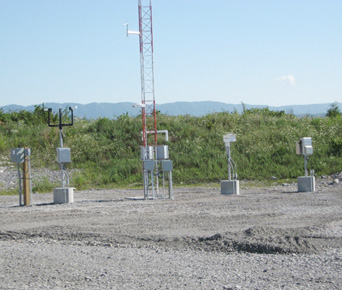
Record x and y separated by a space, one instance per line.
149 117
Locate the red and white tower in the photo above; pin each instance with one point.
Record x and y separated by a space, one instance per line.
148 102
154 157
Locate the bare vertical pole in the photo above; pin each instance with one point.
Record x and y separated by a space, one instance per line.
305 165
26 182
170 185
20 187
61 165
229 164
61 137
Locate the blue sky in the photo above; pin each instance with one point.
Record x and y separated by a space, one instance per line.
261 52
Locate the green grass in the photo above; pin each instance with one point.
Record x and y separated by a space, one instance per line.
43 185
107 151
9 192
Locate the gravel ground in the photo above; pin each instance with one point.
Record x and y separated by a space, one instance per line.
266 238
9 178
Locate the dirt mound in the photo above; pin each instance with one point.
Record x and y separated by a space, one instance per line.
254 240
261 240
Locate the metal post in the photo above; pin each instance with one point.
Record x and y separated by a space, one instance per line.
305 165
146 178
152 183
156 175
170 185
229 164
20 187
61 137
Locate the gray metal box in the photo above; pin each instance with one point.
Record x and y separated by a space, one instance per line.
17 155
63 155
162 152
149 165
230 187
146 153
306 183
304 146
227 139
167 165
308 150
63 195
307 141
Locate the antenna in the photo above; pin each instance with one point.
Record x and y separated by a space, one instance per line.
128 32
150 153
148 104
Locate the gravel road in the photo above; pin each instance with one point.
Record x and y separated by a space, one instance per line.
266 238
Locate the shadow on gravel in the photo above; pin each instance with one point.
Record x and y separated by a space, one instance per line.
82 201
289 192
101 200
44 204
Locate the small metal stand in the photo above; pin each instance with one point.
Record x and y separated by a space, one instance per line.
22 156
305 183
64 194
156 162
167 167
230 186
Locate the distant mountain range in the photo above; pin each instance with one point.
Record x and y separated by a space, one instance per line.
112 110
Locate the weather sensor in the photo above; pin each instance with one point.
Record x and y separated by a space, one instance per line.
304 147
230 186
64 194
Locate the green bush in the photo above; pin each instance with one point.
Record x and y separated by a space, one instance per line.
107 151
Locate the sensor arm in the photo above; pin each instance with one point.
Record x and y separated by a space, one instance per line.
60 125
72 118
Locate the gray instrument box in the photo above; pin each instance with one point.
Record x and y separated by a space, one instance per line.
63 155
162 152
149 165
167 165
18 154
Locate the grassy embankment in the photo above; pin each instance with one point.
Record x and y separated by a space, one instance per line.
107 152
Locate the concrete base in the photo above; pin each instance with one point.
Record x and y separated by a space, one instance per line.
230 187
63 195
306 183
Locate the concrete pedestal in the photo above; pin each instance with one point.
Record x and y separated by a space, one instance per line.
63 195
230 187
306 183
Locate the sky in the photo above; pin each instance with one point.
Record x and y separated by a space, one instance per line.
260 52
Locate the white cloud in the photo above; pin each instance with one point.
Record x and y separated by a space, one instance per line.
288 80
